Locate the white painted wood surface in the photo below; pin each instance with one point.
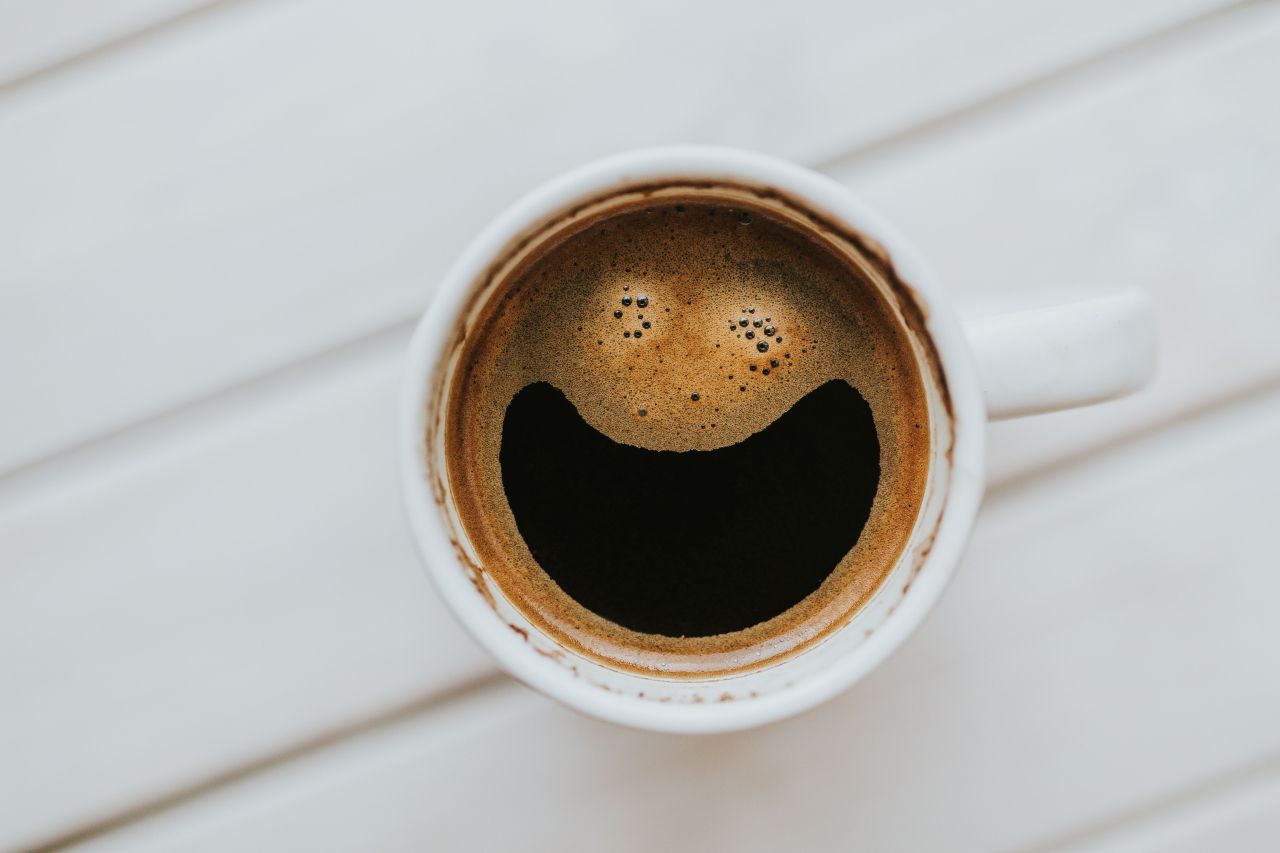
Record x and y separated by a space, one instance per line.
284 177
242 585
1099 648
191 584
1158 170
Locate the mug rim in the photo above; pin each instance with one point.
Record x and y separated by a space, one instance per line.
440 552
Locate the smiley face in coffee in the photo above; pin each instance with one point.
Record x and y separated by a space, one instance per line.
687 433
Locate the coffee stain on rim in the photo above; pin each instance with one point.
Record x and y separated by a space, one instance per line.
911 307
476 574
557 654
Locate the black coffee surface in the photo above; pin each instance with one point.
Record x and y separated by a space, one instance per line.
687 432
693 543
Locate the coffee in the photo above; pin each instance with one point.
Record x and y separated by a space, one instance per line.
686 433
690 552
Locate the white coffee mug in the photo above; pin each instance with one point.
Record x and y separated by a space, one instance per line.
1002 366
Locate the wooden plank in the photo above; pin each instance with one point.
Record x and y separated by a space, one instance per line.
1104 645
240 533
36 35
237 195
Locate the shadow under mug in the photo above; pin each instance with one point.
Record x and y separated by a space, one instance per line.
1003 365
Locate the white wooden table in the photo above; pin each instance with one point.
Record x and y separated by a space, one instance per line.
219 222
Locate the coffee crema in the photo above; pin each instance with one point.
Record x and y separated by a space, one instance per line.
686 433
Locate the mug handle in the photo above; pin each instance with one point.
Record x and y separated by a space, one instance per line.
1046 359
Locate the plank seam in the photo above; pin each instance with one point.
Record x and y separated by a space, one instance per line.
1171 809
1153 45
113 45
435 703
